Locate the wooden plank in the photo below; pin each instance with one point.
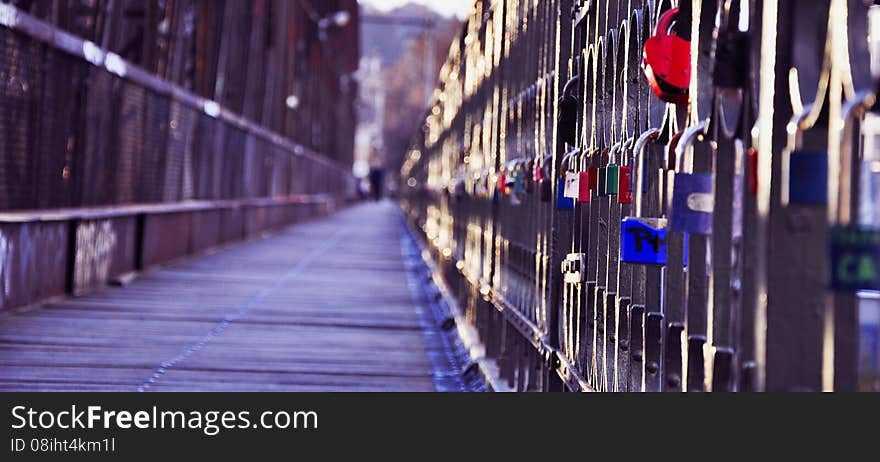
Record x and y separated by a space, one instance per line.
323 306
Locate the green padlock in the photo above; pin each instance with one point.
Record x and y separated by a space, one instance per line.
612 180
612 173
519 184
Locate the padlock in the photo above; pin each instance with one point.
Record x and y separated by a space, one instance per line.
808 178
868 173
612 179
538 170
510 180
572 178
539 174
753 172
519 183
602 182
574 268
502 184
624 187
585 195
568 112
805 180
612 171
546 187
693 199
572 188
731 68
593 177
667 62
692 203
528 177
643 241
562 202
854 263
515 183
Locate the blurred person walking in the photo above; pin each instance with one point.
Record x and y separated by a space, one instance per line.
377 174
377 182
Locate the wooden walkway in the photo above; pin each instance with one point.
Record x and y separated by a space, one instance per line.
321 306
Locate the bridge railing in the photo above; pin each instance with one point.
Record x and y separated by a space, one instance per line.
106 169
751 290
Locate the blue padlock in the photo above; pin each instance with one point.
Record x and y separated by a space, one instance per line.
692 204
808 178
693 200
643 241
562 202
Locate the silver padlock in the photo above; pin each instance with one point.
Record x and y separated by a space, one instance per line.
574 268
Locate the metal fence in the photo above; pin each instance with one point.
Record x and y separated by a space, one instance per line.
107 169
81 127
551 184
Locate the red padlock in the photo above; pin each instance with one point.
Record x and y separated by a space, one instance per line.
538 172
624 186
667 62
584 193
753 172
593 175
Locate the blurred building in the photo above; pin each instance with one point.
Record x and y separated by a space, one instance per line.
411 43
370 134
285 64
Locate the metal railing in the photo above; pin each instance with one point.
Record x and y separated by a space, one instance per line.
107 170
81 127
542 96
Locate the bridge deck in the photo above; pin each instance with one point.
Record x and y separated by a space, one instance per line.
321 306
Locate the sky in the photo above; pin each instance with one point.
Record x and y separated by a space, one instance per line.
460 8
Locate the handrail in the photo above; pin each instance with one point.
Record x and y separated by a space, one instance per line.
19 21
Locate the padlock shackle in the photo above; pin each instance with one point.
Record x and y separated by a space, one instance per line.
626 145
664 24
570 86
863 102
687 140
794 127
612 154
566 161
639 155
642 141
586 155
540 163
515 163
